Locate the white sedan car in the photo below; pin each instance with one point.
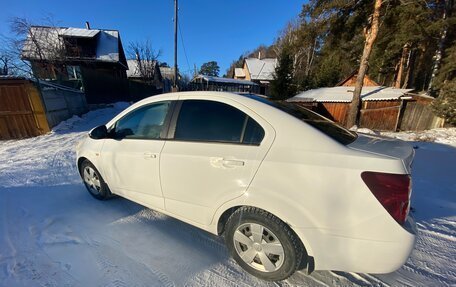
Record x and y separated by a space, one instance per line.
286 187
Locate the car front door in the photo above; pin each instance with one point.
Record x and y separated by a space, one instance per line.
212 157
131 155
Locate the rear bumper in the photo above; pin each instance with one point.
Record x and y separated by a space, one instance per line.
332 252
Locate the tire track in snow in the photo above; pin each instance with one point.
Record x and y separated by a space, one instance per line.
106 259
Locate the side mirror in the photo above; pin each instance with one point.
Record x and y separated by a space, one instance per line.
100 132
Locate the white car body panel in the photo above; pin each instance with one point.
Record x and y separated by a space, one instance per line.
140 160
217 172
299 174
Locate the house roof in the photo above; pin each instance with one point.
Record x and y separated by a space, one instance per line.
77 32
225 80
345 94
261 69
239 72
108 46
352 78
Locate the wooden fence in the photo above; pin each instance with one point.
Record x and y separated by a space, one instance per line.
62 103
380 115
418 116
390 115
22 112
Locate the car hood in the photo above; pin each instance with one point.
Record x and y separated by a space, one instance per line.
386 147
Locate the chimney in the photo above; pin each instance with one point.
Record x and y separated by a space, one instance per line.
259 55
87 25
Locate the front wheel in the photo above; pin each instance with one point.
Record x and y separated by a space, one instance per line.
93 181
262 244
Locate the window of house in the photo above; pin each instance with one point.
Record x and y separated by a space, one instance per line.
144 123
211 121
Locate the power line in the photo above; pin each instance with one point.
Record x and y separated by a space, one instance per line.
183 46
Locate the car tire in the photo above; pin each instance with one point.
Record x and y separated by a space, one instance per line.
93 181
262 244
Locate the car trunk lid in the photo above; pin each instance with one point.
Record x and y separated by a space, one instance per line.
386 147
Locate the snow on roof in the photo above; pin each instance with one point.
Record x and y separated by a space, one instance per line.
108 46
239 72
49 41
345 94
77 32
261 69
225 80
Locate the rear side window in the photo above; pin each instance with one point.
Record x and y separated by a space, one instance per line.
253 133
324 125
210 121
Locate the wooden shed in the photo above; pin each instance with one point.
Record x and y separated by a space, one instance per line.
381 106
26 111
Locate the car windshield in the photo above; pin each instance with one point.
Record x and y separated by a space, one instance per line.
326 126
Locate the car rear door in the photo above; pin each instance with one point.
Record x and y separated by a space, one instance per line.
214 151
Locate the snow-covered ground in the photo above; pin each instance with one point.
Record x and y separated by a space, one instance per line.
53 233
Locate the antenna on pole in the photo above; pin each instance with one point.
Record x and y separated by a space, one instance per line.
175 88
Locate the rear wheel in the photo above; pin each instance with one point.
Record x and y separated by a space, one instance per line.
263 244
94 182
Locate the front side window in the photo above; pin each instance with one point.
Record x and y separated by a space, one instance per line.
210 121
144 123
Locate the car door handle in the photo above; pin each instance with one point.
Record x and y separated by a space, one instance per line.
232 162
148 155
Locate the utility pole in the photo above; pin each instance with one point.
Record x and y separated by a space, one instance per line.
175 88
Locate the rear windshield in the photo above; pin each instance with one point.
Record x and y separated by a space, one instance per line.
326 126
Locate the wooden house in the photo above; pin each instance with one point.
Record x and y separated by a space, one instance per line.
259 71
350 81
92 60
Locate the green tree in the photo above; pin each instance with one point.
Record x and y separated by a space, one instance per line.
283 86
445 104
210 69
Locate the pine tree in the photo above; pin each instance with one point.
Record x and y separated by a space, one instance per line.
283 87
371 36
210 69
445 104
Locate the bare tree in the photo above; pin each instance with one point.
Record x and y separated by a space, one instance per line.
145 59
32 43
4 59
370 34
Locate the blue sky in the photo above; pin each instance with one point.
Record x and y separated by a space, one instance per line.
212 30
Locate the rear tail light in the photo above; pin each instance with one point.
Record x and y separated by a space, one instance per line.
392 191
